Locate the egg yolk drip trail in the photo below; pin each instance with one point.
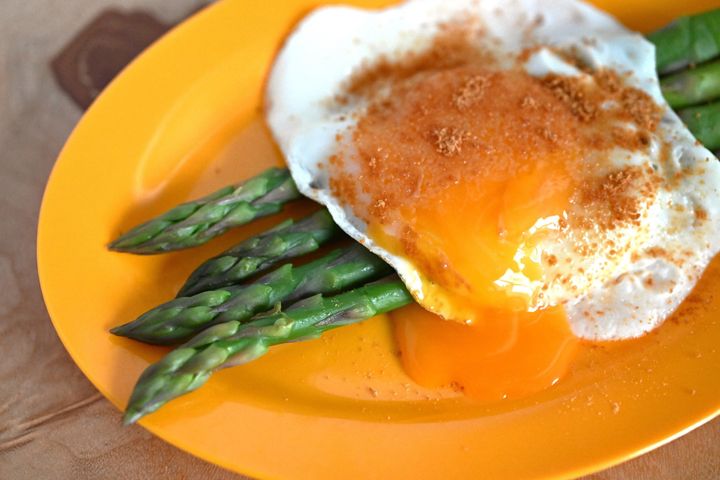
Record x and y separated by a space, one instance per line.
475 174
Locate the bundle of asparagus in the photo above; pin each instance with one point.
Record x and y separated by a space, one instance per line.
225 322
690 86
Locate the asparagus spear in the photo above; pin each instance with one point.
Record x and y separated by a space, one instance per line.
687 41
692 86
196 222
179 319
704 123
232 343
285 241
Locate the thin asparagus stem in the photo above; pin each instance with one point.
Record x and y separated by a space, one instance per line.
687 41
231 343
704 123
692 86
285 241
196 222
179 319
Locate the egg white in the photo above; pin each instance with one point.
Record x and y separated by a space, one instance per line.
333 42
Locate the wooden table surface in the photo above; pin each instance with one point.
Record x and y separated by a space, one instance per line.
53 423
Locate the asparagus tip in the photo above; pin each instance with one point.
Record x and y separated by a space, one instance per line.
185 291
120 330
115 246
131 416
120 247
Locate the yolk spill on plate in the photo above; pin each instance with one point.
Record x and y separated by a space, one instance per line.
500 356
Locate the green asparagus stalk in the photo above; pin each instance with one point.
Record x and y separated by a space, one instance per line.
687 41
232 343
704 123
285 241
196 222
177 320
692 86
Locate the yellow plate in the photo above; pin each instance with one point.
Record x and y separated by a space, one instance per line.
183 120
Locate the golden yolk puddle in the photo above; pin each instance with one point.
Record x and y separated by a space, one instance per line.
503 355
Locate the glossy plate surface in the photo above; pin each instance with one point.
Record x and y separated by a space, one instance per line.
183 120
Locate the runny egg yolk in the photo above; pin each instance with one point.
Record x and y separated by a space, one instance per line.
482 230
479 241
471 175
506 352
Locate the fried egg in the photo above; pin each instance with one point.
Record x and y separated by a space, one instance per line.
513 160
